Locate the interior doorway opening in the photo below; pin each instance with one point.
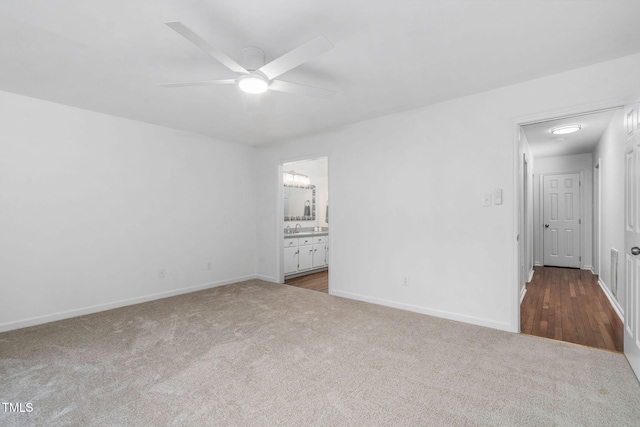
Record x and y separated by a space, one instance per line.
552 301
305 224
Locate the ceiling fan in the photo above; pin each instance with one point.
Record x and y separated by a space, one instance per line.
253 75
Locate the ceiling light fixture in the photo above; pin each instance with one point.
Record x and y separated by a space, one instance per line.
253 83
295 179
562 130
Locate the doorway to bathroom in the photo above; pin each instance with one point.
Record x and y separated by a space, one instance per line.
305 201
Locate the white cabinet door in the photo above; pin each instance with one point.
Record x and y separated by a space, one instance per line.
305 258
326 254
290 260
319 259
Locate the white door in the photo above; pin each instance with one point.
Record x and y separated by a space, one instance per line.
632 238
561 220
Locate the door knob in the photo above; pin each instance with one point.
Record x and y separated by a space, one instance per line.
635 250
546 226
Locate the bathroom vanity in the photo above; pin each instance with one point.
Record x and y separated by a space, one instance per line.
305 253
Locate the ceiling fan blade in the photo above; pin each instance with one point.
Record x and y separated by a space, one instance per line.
298 89
206 47
296 57
201 83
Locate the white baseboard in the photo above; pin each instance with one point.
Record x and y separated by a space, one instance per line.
33 321
266 278
538 264
614 303
531 275
523 292
503 326
588 267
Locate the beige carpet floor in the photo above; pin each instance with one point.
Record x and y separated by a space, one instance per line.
261 354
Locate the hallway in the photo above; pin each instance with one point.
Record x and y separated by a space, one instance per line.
568 305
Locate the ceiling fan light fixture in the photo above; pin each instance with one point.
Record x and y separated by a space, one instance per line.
253 84
565 129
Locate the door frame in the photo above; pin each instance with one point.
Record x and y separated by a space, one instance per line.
597 212
518 227
280 210
524 261
540 225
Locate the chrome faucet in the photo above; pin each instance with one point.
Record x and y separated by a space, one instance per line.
297 230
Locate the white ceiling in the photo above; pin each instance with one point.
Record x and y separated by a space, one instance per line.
545 144
389 56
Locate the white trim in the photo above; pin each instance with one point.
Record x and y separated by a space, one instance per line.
614 303
266 278
538 264
530 276
503 326
589 268
569 112
514 289
280 223
523 292
597 217
33 321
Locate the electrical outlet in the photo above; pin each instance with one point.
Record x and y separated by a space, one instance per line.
161 273
497 196
210 265
405 280
486 200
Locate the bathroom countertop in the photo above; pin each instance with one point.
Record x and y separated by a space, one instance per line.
306 234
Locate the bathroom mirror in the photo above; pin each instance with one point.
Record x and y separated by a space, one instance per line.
299 203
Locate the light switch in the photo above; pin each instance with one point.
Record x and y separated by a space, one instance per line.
497 196
486 200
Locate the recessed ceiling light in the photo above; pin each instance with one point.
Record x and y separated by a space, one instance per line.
253 84
562 130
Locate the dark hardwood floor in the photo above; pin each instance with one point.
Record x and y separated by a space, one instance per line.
567 304
315 282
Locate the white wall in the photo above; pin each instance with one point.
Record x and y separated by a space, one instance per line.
92 206
417 177
582 163
609 153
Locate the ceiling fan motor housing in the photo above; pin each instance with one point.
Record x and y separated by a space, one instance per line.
252 58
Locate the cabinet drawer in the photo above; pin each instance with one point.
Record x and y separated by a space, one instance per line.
289 243
320 239
305 241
